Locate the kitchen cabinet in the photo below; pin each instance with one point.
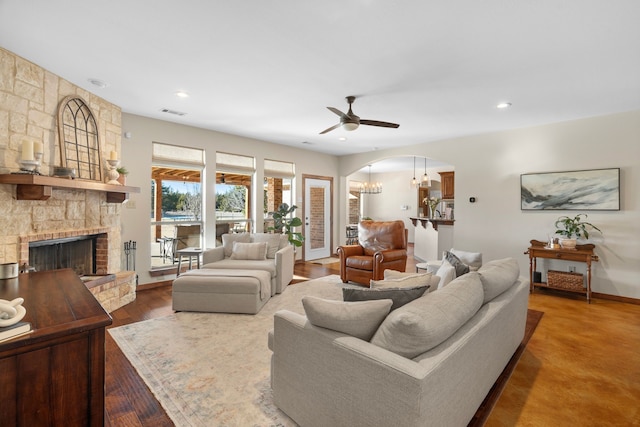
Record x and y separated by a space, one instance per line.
447 185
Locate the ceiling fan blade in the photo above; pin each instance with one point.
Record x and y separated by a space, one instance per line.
338 112
377 123
331 128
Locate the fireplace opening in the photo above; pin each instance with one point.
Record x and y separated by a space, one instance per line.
77 253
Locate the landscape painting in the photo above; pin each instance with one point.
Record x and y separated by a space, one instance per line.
596 189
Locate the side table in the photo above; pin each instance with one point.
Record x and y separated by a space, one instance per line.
582 253
189 253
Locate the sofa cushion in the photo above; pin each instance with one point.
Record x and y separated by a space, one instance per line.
497 276
272 240
359 319
399 296
394 275
249 251
446 273
461 267
229 238
426 322
472 259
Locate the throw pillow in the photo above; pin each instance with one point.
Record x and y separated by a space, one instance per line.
410 281
472 259
461 267
399 296
249 251
228 239
426 322
432 283
272 240
446 273
497 276
359 319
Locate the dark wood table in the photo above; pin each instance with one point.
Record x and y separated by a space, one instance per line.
55 375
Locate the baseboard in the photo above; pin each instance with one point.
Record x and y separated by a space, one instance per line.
148 286
617 298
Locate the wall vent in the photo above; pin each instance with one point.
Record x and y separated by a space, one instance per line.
177 113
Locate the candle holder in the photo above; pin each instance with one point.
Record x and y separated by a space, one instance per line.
112 174
29 167
38 157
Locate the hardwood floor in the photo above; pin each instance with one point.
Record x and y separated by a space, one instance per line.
581 367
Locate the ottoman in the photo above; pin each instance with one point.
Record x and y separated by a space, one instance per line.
221 291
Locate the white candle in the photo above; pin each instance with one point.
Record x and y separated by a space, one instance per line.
27 150
38 147
114 156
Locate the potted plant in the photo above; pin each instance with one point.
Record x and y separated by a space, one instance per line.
573 229
122 178
284 223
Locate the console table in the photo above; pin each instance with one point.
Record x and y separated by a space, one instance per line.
582 253
54 375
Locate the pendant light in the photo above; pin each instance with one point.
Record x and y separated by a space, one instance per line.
426 179
370 187
414 181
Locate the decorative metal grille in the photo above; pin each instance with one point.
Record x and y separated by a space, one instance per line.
79 142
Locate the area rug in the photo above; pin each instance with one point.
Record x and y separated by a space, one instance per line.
323 261
213 369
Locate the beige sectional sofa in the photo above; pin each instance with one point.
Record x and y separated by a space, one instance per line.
430 362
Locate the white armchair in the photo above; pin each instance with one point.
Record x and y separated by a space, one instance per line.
278 262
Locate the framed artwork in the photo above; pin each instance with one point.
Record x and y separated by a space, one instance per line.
586 190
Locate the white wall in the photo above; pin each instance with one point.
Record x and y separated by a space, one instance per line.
489 166
136 156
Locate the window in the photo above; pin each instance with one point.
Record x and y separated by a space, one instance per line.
278 186
176 201
234 177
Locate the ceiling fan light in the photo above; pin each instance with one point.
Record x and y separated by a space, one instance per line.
350 126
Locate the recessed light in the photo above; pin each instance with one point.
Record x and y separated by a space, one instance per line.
99 83
182 94
503 105
342 138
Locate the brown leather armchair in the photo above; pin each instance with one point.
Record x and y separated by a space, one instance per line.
382 245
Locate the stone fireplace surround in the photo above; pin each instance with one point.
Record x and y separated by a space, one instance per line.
111 290
29 102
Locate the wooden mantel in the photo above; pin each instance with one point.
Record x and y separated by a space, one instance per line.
38 187
435 222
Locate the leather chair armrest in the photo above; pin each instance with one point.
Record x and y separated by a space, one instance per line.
390 255
349 250
345 252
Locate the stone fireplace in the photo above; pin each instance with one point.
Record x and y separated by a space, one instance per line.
28 112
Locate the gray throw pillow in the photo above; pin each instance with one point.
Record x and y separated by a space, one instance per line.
229 238
359 319
461 267
399 296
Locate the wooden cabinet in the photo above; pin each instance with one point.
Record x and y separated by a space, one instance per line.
582 253
55 375
447 181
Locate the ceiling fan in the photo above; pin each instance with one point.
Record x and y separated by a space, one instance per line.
350 121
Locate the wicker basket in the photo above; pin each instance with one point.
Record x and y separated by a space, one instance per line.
565 280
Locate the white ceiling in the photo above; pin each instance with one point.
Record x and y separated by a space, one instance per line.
268 69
